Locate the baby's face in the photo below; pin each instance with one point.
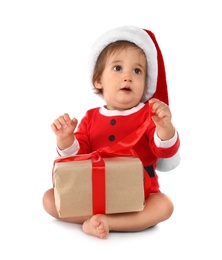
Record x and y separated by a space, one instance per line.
123 80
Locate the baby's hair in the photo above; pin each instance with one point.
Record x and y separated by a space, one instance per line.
101 61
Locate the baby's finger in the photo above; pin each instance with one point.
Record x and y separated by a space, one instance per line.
153 100
74 122
154 104
152 113
60 122
54 128
67 118
159 106
162 111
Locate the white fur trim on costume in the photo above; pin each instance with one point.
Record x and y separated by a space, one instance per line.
70 151
167 143
140 38
109 112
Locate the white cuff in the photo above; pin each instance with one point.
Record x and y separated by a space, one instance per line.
70 151
165 144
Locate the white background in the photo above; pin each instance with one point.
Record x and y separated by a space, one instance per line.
44 49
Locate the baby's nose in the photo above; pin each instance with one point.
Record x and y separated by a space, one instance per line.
127 77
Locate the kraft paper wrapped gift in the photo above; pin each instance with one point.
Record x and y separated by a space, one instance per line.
79 193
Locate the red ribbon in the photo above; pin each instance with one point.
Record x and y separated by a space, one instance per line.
122 148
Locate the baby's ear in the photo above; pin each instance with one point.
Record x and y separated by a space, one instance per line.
98 84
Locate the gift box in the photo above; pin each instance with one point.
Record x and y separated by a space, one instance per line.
86 186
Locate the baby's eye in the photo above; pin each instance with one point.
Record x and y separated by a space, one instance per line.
117 68
138 71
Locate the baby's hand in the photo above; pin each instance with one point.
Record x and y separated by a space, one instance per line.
162 119
161 113
64 126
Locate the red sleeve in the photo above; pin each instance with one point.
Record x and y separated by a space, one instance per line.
161 152
83 132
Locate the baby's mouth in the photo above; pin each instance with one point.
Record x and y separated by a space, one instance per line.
126 89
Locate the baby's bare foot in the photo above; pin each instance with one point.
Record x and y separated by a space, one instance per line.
97 225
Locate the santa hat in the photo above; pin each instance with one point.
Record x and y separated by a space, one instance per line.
145 39
156 82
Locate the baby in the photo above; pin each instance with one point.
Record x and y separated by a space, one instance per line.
127 71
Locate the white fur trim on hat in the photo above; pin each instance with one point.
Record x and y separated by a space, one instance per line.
141 39
168 164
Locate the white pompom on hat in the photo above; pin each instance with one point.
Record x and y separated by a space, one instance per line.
145 39
156 81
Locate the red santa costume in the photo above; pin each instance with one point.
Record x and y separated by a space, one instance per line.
101 127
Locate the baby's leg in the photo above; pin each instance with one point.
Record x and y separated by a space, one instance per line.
158 208
97 225
50 208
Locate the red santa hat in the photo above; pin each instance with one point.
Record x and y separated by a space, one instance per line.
145 39
156 81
